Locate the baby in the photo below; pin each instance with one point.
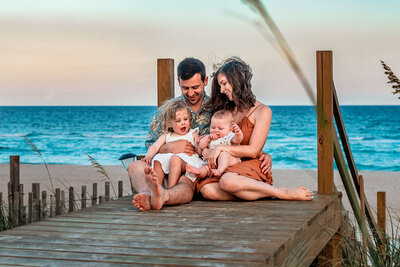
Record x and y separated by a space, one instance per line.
176 123
223 131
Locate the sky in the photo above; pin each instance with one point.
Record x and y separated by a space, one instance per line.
101 52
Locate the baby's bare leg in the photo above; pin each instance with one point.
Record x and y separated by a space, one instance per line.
224 161
176 168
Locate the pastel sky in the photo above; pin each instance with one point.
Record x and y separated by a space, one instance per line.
102 52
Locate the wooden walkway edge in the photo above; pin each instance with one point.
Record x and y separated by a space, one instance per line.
257 233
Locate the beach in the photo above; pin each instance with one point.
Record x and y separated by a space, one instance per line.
64 176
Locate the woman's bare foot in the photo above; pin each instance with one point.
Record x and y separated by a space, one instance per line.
216 172
158 194
201 172
142 201
300 193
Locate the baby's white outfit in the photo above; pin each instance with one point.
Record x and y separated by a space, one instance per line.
225 140
193 160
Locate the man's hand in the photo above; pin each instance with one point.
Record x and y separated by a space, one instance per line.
147 160
266 163
178 146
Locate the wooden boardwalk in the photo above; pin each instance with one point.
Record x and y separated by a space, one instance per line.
266 233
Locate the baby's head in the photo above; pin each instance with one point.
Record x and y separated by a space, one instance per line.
221 123
176 117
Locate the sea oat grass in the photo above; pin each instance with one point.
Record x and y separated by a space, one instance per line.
100 169
34 148
392 79
374 254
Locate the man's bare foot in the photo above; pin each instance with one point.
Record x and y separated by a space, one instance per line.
142 201
300 193
216 172
158 194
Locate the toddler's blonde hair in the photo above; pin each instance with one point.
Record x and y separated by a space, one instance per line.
169 109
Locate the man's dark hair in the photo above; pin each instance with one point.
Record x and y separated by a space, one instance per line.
189 67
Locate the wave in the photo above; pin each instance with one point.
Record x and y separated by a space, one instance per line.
15 135
122 136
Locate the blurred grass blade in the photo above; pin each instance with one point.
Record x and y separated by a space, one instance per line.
257 7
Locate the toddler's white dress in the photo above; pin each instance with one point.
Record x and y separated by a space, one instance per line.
193 160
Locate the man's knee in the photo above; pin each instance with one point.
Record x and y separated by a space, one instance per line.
186 181
229 183
136 167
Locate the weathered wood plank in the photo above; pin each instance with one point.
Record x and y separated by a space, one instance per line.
135 251
209 233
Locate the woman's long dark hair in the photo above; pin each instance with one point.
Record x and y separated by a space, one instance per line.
239 75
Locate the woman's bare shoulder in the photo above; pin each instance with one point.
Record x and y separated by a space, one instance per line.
262 109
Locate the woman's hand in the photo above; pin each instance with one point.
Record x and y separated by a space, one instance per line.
211 157
266 163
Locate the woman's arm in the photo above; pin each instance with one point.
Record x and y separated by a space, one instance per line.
262 122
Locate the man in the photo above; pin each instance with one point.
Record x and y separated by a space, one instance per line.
150 194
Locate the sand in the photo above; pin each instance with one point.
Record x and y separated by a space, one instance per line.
64 176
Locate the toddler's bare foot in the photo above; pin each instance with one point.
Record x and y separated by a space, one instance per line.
201 172
216 172
158 194
192 169
141 201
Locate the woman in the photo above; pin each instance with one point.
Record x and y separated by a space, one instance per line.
231 90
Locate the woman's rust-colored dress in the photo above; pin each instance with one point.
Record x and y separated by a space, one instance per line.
248 167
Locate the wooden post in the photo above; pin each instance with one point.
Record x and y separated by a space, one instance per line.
325 121
120 189
1 207
381 209
362 204
71 199
30 207
21 208
10 199
16 220
94 194
52 206
107 191
36 201
165 80
14 173
58 201
14 190
83 197
44 204
331 254
63 203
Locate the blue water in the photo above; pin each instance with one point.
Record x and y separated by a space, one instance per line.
64 134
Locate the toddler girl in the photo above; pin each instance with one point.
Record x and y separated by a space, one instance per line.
223 131
176 120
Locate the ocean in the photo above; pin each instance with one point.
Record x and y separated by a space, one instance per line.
66 134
